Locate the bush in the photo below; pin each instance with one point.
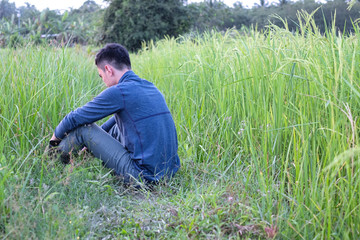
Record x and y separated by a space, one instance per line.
15 41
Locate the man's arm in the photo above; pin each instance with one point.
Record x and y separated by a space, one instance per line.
103 105
108 124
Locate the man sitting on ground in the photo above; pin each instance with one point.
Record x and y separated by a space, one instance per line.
139 141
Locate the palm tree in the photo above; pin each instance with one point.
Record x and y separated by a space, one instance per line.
283 2
263 3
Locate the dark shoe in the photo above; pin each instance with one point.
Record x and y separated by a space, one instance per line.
53 152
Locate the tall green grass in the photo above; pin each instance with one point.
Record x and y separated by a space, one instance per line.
275 113
285 104
39 86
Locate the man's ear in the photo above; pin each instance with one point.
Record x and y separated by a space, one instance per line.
109 69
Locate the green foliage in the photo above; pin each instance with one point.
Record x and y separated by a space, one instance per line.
15 41
282 104
325 15
36 39
7 29
77 26
7 9
133 22
28 12
268 138
216 15
85 23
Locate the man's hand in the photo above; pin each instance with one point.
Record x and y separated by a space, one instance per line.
55 138
54 141
52 150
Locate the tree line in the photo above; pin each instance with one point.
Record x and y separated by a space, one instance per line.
131 22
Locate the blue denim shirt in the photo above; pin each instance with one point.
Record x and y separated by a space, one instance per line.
145 122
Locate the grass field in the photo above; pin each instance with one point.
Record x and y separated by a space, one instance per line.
268 139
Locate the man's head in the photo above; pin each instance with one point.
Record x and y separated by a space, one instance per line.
112 62
114 54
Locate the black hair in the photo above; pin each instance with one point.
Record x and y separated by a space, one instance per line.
114 54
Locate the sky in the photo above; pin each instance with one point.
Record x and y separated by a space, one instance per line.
66 4
245 3
54 4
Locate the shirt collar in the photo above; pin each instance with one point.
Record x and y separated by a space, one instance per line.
126 75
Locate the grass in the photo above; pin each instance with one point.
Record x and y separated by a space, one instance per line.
268 138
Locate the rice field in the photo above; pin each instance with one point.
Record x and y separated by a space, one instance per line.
268 138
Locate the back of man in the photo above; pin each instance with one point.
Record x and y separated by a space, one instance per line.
147 127
140 140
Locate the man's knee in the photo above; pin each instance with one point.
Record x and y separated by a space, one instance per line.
90 125
84 131
87 127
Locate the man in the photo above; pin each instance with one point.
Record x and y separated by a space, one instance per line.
139 141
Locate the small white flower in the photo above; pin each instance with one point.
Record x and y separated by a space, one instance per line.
241 131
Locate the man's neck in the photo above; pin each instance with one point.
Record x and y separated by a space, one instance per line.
120 73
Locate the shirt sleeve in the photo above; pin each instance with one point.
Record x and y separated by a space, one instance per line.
108 124
106 103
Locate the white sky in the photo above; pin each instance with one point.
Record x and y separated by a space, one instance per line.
54 4
66 4
245 3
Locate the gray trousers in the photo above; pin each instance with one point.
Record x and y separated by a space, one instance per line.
105 146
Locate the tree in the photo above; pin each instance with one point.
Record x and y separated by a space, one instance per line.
88 6
130 22
262 3
238 18
28 12
283 2
7 9
209 15
85 22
